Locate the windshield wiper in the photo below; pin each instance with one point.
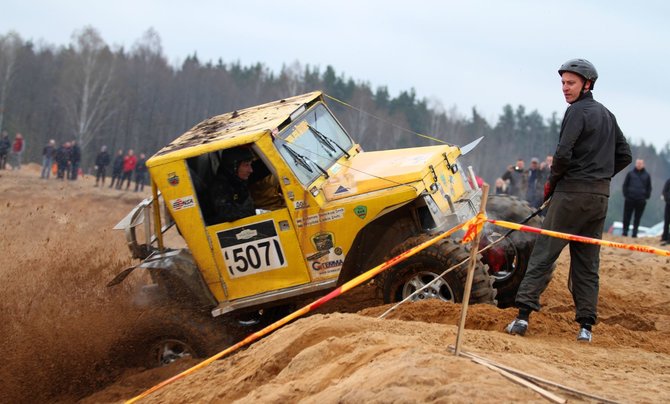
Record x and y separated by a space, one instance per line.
328 142
323 171
298 158
323 140
305 161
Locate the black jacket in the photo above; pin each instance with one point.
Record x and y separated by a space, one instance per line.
102 160
75 154
637 185
230 195
117 167
62 156
591 149
666 192
141 166
5 144
230 199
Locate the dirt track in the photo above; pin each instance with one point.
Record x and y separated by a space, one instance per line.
59 322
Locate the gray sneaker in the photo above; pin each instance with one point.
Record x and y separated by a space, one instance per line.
517 327
584 335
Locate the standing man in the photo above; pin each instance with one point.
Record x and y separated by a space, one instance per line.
636 191
63 160
517 178
5 145
48 154
129 163
117 169
141 173
665 238
75 159
536 182
17 151
591 150
101 163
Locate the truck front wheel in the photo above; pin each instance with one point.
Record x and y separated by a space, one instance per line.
410 275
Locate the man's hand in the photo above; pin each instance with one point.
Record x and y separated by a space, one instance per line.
548 190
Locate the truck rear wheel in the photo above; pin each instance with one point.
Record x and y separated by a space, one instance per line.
507 260
408 276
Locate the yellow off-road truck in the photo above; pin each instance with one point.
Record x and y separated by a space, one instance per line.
325 211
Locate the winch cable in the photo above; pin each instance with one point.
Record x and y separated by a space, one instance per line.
386 122
313 153
446 271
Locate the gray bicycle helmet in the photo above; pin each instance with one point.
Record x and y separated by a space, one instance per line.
581 67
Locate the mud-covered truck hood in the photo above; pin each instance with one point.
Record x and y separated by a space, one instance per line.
373 171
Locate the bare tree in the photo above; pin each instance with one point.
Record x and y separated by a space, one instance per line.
291 78
9 49
88 96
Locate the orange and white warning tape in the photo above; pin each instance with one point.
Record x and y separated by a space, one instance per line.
581 239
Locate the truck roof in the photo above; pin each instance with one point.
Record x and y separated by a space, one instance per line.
236 127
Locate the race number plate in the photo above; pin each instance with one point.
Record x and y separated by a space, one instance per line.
251 249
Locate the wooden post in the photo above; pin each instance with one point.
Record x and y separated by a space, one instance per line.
474 249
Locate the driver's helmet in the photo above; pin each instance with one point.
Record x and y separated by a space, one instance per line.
231 158
581 67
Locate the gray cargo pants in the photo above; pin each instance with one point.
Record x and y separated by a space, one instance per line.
575 213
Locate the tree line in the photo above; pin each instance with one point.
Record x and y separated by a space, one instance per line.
135 99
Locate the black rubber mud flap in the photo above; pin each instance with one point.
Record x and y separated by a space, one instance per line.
121 276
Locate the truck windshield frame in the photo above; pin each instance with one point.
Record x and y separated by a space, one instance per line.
302 140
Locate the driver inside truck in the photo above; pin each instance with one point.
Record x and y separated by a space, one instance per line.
239 181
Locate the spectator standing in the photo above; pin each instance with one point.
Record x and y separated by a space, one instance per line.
129 163
101 163
63 160
18 147
636 191
591 149
75 159
665 238
117 169
5 145
501 186
141 173
48 154
517 179
535 191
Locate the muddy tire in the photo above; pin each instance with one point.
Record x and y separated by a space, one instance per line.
403 279
162 336
508 260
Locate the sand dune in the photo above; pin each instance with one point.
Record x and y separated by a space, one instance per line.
60 323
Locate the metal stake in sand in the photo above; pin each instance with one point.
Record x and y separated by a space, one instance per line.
471 272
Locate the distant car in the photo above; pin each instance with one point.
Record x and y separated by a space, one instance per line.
655 230
616 229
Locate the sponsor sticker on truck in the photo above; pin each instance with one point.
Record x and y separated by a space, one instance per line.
182 203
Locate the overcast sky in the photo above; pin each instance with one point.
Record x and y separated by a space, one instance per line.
482 54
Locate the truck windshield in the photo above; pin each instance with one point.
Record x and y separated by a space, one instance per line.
313 143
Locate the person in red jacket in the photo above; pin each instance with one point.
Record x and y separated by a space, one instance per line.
129 163
18 147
